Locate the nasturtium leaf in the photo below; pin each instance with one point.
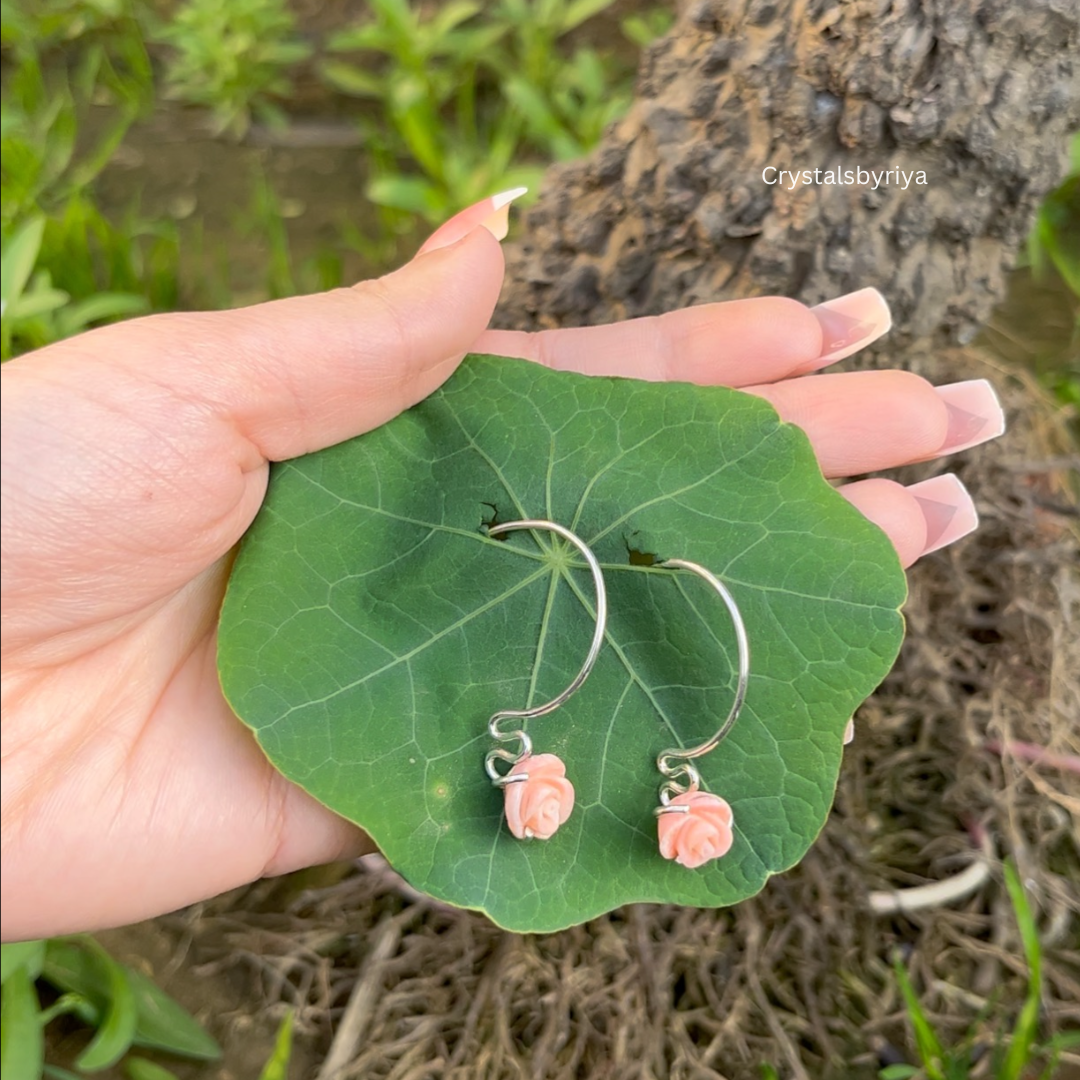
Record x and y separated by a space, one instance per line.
371 627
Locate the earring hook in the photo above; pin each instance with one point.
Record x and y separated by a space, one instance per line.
498 753
675 763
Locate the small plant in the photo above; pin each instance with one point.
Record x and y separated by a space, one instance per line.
31 28
1015 1056
464 91
65 266
123 1008
422 73
233 58
33 312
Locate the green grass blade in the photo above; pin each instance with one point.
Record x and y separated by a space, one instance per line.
21 954
930 1049
1023 1036
21 1041
18 261
114 1036
277 1068
140 1069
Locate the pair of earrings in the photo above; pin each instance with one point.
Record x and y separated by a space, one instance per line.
693 826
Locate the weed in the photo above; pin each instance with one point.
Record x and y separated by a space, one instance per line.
122 1008
234 58
465 91
1014 1056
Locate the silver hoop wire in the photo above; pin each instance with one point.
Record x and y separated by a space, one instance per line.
525 747
675 763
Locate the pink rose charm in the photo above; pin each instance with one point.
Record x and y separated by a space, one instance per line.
538 806
693 838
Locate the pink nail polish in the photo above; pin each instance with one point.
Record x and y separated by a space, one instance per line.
948 509
849 323
492 213
975 414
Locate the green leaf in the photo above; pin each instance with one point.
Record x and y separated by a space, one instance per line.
277 1067
163 1024
98 308
409 193
21 954
140 1069
351 79
117 1028
898 1072
18 260
453 14
371 628
21 1039
579 11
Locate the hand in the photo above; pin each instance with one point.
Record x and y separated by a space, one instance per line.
135 456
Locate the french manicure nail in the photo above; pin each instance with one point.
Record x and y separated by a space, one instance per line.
493 213
498 221
947 508
849 323
975 414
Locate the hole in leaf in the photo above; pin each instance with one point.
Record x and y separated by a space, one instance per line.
638 556
488 523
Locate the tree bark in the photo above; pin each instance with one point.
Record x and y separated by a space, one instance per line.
674 208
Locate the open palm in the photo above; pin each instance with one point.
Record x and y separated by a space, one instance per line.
134 458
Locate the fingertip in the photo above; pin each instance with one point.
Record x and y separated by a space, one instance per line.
895 511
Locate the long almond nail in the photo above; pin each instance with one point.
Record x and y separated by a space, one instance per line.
493 213
947 508
849 323
975 414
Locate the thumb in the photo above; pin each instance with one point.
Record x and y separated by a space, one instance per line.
301 374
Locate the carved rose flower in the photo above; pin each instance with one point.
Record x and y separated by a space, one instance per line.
538 806
693 838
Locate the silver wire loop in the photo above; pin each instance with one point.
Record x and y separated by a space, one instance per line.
675 763
524 742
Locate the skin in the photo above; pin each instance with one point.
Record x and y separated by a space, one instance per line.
135 456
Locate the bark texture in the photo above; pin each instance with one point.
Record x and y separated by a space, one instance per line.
673 209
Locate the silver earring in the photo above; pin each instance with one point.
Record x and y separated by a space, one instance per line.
537 796
695 827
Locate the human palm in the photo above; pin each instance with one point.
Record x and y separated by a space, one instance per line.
134 457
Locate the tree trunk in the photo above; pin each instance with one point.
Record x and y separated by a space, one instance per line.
972 100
